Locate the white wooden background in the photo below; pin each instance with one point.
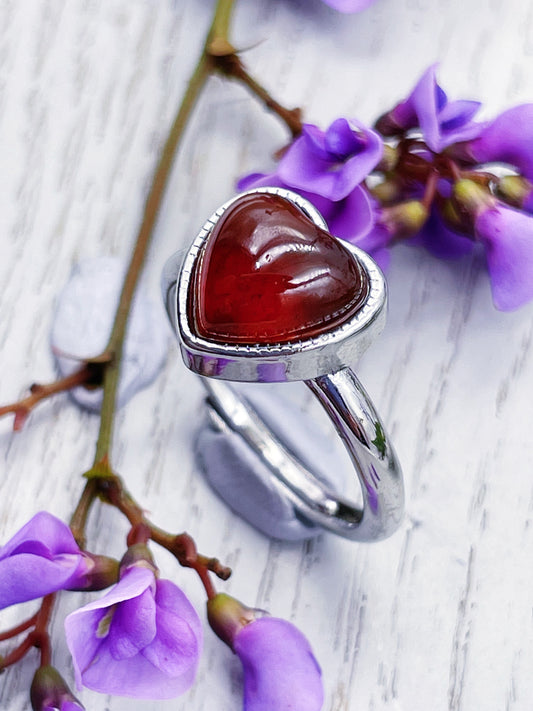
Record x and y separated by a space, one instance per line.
438 617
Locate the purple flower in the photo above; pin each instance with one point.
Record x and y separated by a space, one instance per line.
327 168
142 639
507 236
441 122
49 692
41 558
280 671
349 5
441 241
508 139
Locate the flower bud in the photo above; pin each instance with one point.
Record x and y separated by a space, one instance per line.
101 573
387 191
454 219
49 692
404 219
390 126
227 617
137 555
471 196
389 159
516 191
470 200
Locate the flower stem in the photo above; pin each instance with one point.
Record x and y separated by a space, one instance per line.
88 373
218 34
231 66
22 627
182 545
151 210
38 637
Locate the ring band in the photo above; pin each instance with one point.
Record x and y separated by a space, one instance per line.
289 347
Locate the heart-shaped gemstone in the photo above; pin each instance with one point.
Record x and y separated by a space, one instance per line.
268 274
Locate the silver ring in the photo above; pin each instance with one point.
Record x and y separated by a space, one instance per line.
318 354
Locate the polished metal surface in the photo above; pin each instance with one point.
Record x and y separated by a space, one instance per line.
321 362
359 426
297 360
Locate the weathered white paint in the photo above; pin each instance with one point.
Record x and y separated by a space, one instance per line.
438 617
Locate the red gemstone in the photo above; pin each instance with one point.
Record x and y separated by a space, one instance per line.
268 274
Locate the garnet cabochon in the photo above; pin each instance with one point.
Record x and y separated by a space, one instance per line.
267 274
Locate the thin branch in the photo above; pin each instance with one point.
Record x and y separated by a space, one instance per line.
89 373
231 66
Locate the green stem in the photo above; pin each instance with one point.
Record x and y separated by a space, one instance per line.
204 67
101 466
221 20
151 210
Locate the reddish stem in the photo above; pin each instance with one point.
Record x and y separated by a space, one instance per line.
17 654
182 546
231 66
41 638
430 189
14 631
88 373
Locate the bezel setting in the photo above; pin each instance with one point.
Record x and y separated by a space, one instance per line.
301 359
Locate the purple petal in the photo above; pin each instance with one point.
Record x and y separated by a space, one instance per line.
170 597
375 243
280 671
427 97
457 113
71 706
45 529
463 133
528 203
84 638
441 241
342 141
154 651
175 648
349 219
424 101
42 557
27 577
509 139
133 626
314 139
303 168
349 5
507 236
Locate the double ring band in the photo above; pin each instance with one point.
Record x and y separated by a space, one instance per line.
265 294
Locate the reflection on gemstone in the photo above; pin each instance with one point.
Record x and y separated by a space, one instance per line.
268 274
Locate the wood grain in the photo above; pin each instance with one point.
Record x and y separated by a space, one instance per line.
439 616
